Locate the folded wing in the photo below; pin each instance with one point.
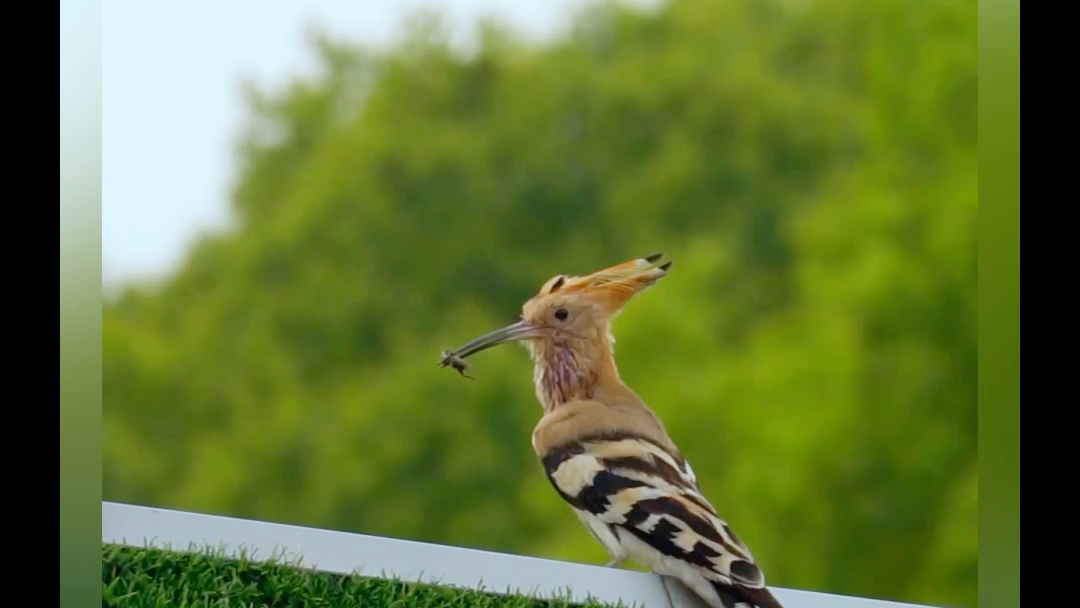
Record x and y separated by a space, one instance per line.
640 491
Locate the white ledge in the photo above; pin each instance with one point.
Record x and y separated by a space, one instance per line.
345 553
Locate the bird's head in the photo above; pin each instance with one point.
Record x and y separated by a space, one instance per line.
574 312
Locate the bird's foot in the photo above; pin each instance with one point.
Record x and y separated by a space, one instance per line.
615 563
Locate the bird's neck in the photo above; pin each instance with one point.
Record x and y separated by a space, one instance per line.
573 370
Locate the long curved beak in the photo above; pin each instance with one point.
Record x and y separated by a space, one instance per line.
511 333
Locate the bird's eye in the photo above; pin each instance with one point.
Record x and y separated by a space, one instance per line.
561 314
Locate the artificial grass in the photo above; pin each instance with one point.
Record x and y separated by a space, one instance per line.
154 578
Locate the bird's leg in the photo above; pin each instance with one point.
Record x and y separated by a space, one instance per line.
615 563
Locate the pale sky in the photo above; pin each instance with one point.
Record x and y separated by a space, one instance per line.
171 103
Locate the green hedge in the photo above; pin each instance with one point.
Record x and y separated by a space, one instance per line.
144 578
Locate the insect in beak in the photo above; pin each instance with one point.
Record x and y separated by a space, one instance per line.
511 333
455 361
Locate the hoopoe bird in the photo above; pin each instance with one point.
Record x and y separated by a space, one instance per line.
607 454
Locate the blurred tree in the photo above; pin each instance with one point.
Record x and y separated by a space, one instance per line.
810 166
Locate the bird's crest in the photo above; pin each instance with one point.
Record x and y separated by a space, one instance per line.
613 286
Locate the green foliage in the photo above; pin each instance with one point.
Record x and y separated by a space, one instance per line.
811 167
152 578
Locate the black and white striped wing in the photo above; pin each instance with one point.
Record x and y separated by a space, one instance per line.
635 487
